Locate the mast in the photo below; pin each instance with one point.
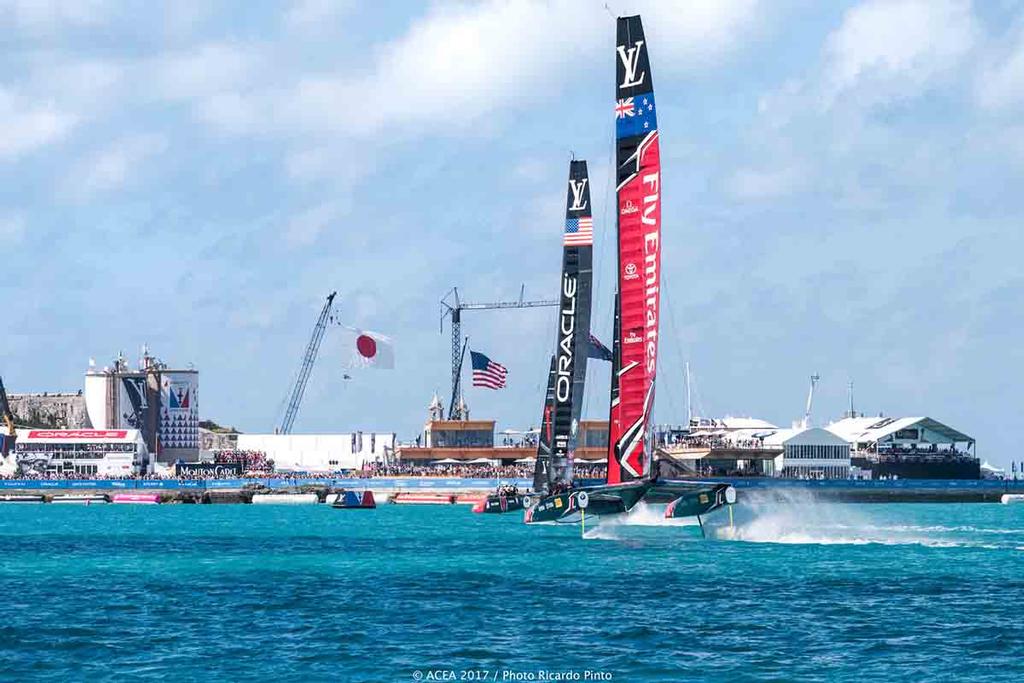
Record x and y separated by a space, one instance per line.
689 405
638 189
573 332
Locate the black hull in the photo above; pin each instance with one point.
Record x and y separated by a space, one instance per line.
497 504
682 498
601 501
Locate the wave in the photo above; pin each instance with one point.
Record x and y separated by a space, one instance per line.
799 518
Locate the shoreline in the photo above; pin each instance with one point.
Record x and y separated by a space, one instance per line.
240 491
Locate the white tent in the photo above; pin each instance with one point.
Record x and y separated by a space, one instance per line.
527 460
989 471
446 461
481 461
599 461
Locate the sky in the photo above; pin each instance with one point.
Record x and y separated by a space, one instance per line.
840 196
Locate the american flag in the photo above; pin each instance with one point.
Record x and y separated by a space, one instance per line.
579 232
487 373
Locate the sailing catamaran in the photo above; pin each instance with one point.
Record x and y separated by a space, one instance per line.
631 475
563 402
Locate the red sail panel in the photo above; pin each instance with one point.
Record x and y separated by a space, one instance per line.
635 361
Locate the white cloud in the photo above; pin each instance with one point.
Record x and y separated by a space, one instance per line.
12 228
1001 81
476 59
46 16
765 183
315 15
907 43
305 228
28 125
201 71
113 166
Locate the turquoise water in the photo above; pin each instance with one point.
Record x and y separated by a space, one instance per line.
797 591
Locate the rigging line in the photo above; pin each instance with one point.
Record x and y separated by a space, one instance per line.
674 329
597 267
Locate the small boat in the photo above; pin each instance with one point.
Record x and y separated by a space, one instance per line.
285 499
1012 498
352 500
136 498
81 498
469 498
422 499
22 498
505 500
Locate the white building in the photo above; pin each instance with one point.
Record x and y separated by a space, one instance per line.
320 452
98 452
902 435
812 453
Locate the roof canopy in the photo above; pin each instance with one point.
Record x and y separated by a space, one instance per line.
873 429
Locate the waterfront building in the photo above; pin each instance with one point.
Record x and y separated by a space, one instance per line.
110 453
321 452
811 453
909 447
746 446
466 440
161 402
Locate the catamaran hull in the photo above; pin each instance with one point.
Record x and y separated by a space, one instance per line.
681 499
599 501
495 504
700 501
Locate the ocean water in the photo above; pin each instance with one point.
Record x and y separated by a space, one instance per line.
799 590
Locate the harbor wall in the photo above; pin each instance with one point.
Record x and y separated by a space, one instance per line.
917 490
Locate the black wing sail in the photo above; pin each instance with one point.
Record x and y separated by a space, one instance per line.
542 468
573 321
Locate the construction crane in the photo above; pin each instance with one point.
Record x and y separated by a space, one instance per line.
452 307
6 442
312 349
810 400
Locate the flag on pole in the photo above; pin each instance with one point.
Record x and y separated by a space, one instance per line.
597 350
487 373
370 350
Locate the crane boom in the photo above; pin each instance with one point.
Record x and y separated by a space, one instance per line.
312 349
452 306
810 400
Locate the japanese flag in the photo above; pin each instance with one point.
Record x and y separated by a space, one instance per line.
370 350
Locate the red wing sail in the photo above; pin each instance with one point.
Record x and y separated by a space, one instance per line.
634 365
